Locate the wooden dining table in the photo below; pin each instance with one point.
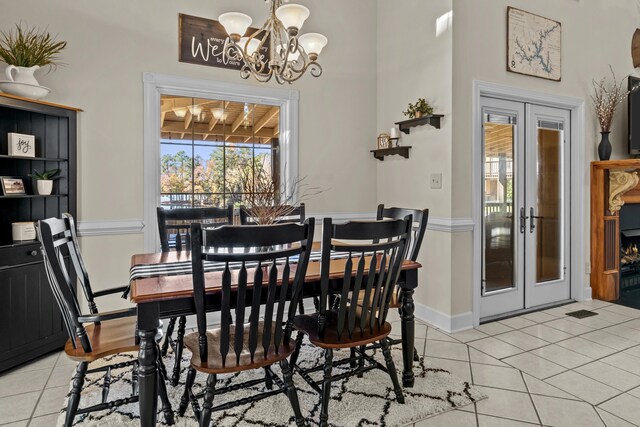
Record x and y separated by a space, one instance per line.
165 296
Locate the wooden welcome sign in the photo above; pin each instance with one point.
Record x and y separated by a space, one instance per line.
201 41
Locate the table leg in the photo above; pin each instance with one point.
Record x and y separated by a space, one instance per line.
148 360
408 326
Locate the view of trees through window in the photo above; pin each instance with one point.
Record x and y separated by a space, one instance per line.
212 150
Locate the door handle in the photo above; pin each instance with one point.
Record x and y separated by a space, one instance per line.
532 218
523 220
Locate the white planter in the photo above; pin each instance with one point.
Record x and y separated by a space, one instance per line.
44 186
23 74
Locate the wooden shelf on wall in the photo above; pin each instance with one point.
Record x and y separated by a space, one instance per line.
400 151
432 119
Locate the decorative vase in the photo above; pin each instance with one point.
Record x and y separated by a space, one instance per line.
418 114
23 74
44 186
604 148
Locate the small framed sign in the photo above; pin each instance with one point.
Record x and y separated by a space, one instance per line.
383 141
12 186
21 145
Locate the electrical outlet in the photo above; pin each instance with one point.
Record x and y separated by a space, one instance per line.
436 180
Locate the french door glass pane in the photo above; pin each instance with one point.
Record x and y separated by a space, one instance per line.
498 224
549 206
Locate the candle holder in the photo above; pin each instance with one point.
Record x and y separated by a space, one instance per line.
394 140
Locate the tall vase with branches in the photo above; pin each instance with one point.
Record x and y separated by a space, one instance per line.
267 200
606 97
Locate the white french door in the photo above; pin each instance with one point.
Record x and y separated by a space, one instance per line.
525 208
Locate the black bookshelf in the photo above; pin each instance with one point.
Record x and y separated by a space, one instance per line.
30 321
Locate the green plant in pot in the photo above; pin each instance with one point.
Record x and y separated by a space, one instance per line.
25 50
419 109
44 180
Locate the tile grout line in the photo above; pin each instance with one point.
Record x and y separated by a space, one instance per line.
35 408
475 407
598 413
612 414
510 419
577 399
475 412
526 386
594 379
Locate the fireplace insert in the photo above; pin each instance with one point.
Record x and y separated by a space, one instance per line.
629 248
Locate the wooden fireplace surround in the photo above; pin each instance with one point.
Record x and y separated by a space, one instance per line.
613 183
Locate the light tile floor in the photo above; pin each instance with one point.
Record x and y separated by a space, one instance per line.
544 369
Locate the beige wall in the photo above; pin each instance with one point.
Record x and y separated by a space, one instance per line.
595 33
414 62
111 43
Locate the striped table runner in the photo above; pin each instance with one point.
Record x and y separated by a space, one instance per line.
184 267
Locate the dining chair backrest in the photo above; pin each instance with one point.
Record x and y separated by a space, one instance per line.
174 224
58 240
255 254
418 228
374 255
294 214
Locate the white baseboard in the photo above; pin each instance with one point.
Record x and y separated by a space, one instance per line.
447 323
586 294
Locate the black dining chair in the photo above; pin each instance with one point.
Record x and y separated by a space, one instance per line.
174 226
418 229
375 252
255 285
96 335
295 214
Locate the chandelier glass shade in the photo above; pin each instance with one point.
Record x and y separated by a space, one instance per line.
275 50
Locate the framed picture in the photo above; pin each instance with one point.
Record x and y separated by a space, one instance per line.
21 145
12 186
384 141
533 45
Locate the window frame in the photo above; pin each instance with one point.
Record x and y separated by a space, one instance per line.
156 85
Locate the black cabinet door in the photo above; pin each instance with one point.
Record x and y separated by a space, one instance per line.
30 320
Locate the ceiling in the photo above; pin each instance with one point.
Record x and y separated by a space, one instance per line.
215 120
498 140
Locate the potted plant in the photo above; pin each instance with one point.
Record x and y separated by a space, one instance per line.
44 181
25 50
419 109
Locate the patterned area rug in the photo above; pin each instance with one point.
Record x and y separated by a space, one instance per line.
366 401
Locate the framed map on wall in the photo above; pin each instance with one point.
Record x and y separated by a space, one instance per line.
533 45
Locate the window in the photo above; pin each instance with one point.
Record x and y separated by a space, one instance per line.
213 151
159 87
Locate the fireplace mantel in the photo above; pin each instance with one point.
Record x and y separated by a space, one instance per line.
613 183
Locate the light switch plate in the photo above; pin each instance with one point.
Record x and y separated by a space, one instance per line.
436 180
